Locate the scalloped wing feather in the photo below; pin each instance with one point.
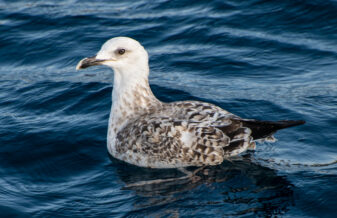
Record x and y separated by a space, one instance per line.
182 134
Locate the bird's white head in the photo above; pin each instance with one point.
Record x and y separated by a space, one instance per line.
123 54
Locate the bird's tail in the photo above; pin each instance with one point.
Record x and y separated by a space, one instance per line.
263 129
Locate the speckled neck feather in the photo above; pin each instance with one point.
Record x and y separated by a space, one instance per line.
131 96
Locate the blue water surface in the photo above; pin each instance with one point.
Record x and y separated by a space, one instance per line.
267 60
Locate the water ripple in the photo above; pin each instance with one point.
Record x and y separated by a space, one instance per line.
258 59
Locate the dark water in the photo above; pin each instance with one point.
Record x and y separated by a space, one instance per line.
258 59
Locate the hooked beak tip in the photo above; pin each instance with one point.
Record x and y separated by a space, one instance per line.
79 65
88 62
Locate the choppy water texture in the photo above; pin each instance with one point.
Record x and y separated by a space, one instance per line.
259 59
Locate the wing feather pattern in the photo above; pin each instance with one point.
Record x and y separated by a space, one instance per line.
182 134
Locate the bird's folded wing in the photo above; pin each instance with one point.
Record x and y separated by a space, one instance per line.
178 142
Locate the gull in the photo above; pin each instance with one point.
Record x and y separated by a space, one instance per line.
147 132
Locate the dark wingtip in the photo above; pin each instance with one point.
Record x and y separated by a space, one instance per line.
290 123
262 129
301 122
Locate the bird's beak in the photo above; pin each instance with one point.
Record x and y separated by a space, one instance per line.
90 61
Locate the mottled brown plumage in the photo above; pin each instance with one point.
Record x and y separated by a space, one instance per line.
181 134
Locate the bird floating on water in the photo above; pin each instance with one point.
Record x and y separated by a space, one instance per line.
149 133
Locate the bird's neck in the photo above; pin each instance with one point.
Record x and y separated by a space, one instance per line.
131 96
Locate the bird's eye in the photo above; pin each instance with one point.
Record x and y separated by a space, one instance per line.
121 51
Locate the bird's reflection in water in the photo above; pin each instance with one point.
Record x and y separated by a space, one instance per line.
237 187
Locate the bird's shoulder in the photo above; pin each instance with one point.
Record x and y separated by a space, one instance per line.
197 111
